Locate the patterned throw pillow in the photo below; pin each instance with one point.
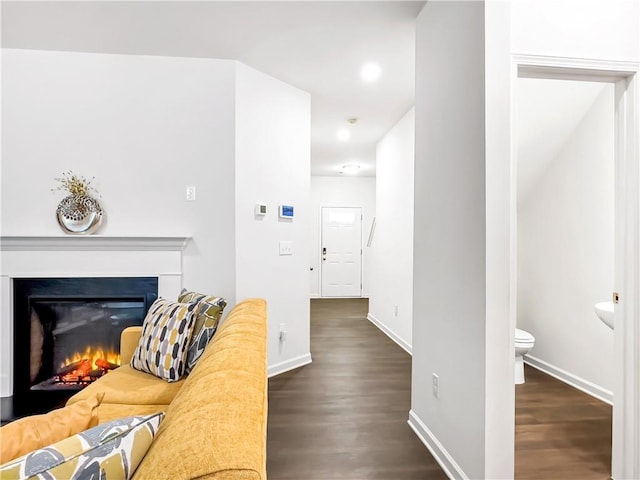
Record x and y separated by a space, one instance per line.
162 349
207 321
109 451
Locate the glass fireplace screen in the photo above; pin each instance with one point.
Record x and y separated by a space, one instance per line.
75 342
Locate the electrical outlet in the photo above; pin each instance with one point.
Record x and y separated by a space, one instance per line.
435 385
283 332
191 193
395 310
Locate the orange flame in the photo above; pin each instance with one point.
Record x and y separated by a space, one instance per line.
93 355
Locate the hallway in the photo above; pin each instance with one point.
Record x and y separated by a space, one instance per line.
345 415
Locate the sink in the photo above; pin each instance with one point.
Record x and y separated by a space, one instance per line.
604 311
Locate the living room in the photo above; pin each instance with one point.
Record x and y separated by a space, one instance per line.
147 125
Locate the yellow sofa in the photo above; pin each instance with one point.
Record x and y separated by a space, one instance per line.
216 418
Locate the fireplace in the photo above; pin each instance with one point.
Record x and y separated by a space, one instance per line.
67 333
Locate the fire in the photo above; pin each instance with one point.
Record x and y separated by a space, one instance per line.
87 366
92 355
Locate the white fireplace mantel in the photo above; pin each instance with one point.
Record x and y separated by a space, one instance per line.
81 256
92 255
88 242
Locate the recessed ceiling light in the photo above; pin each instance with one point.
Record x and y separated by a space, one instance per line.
370 72
350 169
344 134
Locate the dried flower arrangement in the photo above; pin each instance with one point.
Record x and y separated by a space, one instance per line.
75 185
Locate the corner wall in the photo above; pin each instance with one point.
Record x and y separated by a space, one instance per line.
391 298
340 192
449 236
273 153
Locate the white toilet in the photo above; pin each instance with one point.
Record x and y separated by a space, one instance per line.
524 342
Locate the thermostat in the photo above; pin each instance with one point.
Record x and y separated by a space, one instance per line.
286 211
261 209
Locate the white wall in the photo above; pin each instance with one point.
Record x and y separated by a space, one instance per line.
596 29
342 191
449 235
392 247
273 167
145 127
565 252
500 307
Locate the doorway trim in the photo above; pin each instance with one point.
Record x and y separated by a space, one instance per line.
626 391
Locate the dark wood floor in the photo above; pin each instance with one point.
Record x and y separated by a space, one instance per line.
345 415
561 433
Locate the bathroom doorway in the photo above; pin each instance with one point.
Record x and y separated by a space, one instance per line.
575 215
565 210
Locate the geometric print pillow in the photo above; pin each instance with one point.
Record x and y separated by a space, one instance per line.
109 451
207 320
162 349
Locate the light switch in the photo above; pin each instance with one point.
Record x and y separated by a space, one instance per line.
286 247
191 193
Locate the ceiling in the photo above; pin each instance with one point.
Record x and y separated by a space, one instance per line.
319 47
548 112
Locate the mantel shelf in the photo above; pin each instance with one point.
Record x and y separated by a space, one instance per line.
92 242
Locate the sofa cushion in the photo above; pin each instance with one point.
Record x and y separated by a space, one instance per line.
207 320
166 331
127 386
37 431
109 451
113 411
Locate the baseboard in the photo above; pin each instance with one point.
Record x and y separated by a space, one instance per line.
570 379
444 459
338 298
314 295
287 365
404 345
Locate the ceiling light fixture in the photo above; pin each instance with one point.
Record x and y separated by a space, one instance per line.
350 169
344 134
370 72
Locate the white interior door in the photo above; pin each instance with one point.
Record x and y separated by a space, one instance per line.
341 252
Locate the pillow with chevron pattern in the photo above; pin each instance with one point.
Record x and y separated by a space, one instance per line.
166 330
112 450
207 319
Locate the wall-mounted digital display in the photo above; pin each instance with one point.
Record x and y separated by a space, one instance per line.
261 209
286 211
